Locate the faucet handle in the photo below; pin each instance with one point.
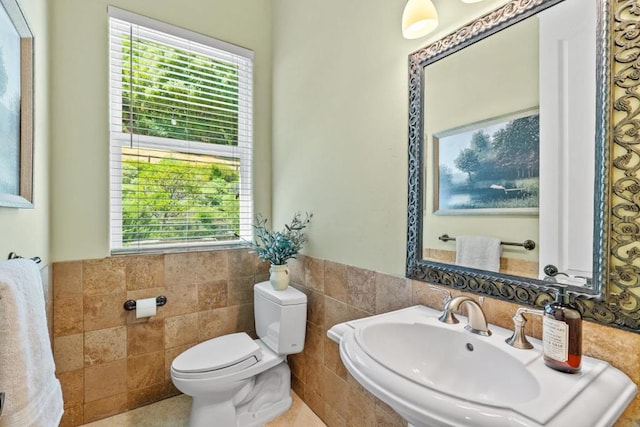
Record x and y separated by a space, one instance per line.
552 270
447 316
519 339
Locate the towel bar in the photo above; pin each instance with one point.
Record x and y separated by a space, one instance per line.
13 255
130 304
527 244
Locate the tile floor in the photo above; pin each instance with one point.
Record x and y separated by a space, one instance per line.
174 412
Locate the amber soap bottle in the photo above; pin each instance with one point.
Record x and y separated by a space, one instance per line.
562 334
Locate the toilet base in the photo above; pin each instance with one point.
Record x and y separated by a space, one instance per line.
259 418
269 396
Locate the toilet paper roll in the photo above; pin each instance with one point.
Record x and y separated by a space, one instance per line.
145 307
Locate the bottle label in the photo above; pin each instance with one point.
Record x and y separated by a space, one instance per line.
555 339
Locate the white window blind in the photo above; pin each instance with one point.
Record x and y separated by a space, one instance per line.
180 137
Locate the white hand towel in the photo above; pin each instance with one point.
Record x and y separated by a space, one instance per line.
479 252
33 396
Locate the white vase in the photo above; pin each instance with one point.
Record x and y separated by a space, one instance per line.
279 277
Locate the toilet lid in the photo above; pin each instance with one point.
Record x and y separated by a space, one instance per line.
219 353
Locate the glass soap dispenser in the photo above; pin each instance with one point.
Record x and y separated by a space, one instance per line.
562 334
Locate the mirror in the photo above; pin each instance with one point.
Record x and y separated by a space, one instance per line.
435 122
509 130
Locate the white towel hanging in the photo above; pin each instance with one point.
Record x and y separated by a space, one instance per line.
479 252
33 396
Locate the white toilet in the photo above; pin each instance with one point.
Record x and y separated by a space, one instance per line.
237 381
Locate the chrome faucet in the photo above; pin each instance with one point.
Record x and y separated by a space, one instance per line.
477 322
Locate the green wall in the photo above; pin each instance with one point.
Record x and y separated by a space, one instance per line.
80 105
331 91
340 123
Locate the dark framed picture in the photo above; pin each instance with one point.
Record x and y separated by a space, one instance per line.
16 107
489 167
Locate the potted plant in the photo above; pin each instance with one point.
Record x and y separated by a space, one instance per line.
279 246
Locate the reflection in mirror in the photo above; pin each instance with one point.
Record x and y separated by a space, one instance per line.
509 134
470 98
509 131
482 162
567 130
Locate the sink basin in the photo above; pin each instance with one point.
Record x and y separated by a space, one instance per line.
482 372
436 374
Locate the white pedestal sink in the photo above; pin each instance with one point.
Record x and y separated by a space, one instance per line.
435 374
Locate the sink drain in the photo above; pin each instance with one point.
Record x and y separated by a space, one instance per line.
469 346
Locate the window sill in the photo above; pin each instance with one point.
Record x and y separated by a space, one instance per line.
171 249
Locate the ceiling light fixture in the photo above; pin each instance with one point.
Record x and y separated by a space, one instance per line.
419 18
471 1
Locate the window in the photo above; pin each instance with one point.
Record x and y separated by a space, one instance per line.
180 137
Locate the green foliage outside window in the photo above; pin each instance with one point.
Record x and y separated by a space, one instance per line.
167 199
180 95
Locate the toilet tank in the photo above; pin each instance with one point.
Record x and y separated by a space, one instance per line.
281 317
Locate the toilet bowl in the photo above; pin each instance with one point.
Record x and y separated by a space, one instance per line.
237 381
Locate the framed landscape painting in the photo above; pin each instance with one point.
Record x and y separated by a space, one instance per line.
488 167
16 107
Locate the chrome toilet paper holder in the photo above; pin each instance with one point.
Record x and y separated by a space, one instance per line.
130 304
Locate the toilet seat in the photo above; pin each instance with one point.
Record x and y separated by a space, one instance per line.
218 357
235 372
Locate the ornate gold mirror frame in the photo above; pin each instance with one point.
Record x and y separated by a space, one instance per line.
616 301
623 290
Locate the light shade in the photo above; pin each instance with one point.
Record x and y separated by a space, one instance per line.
419 19
471 1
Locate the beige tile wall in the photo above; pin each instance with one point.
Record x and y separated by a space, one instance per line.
107 360
338 293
